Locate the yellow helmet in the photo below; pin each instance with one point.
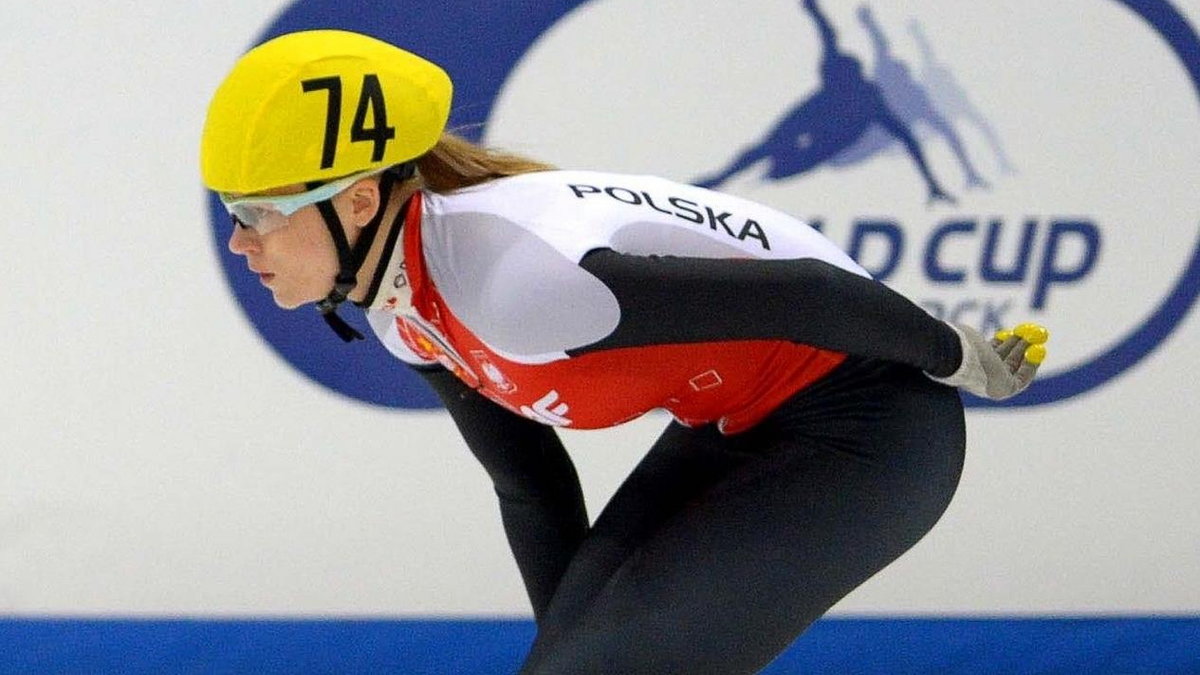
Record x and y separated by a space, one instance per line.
317 105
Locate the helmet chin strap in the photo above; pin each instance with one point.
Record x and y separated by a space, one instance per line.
350 260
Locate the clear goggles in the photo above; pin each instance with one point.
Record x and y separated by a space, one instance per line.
267 214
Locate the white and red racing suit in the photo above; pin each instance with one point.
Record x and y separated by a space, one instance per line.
808 449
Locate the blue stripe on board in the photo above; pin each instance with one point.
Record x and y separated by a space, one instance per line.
1125 646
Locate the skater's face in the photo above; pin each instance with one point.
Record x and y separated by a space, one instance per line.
295 257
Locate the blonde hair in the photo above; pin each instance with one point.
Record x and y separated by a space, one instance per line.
455 163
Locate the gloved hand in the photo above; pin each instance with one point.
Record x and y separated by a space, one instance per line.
1001 367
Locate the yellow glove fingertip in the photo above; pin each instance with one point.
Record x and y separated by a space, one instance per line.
1032 333
1035 354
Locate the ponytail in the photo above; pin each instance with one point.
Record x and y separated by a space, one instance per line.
455 163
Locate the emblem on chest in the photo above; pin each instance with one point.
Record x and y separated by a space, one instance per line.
480 372
429 344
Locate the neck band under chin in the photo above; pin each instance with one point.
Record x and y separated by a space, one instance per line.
350 260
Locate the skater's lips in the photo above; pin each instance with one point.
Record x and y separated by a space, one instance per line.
263 277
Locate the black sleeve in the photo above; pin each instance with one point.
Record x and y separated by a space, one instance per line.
665 299
541 503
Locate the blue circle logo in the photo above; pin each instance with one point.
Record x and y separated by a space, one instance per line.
482 44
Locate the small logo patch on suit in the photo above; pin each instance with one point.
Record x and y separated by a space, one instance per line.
707 380
492 373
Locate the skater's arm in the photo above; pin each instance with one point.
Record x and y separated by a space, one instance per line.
541 503
667 299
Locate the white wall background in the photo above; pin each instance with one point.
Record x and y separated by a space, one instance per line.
160 459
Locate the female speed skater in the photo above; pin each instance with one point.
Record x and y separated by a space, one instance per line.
817 429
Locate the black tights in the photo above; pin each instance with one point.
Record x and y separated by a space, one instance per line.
718 551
